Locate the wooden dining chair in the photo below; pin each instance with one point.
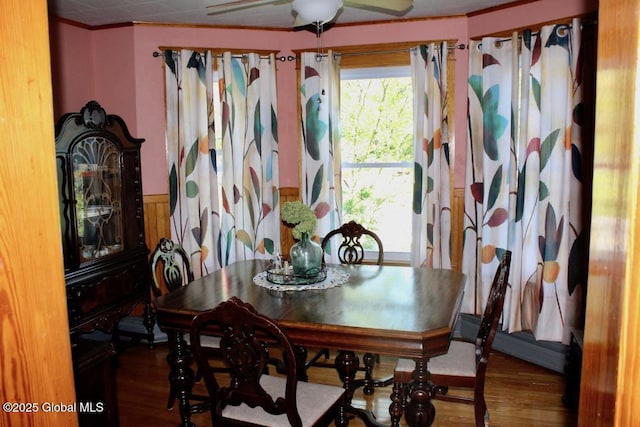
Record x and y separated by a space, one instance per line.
247 395
465 364
170 269
350 250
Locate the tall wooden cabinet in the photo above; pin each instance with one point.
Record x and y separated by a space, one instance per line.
101 211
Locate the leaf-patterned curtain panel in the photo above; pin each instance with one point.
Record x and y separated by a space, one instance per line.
523 188
431 226
193 195
250 218
320 159
248 225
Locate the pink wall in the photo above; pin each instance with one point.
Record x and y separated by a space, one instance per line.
127 80
84 61
531 14
71 67
115 64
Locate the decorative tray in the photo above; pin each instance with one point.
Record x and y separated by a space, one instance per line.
281 276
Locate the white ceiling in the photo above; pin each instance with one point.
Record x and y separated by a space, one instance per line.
277 14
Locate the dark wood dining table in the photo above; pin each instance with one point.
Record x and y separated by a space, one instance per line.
397 311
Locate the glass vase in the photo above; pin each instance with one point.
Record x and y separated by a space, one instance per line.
306 257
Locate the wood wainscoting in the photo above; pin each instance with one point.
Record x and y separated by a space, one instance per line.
157 221
287 194
457 228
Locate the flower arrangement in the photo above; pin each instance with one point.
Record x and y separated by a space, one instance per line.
301 216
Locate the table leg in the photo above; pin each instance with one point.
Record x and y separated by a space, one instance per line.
181 377
347 366
398 400
420 410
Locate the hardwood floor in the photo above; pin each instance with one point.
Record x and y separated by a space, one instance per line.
518 393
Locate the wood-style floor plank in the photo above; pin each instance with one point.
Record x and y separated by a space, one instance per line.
518 393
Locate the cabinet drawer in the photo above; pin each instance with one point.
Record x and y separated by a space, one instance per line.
116 292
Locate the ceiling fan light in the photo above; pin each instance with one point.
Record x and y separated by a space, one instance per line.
313 11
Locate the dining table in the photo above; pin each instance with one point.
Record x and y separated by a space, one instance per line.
392 310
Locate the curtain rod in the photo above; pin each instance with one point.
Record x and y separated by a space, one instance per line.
536 30
157 54
460 46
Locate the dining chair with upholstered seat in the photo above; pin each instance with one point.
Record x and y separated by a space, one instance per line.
246 395
170 269
465 364
350 250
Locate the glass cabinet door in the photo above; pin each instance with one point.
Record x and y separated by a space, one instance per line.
98 197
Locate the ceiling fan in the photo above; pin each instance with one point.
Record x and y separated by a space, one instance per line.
317 14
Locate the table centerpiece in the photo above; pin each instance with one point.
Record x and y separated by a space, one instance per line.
305 254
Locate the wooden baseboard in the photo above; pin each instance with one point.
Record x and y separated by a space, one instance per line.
547 354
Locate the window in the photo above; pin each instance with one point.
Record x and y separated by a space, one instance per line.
376 122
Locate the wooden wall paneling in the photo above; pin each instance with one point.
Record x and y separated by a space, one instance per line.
156 226
287 194
156 218
157 221
35 367
457 231
610 380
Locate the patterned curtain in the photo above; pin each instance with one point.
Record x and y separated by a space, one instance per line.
320 159
193 196
250 219
524 178
431 227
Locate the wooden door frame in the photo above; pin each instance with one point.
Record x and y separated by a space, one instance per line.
36 354
611 360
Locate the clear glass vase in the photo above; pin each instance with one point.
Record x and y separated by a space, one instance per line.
306 257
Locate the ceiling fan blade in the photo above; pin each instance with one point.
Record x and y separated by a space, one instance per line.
216 9
393 6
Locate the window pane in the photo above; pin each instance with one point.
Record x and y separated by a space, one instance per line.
380 200
376 145
376 118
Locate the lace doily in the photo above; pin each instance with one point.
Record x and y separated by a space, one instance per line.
335 277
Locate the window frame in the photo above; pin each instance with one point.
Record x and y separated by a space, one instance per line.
392 54
380 72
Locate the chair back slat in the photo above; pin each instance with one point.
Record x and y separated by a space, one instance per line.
169 261
351 250
244 333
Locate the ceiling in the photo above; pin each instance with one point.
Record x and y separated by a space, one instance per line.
278 14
